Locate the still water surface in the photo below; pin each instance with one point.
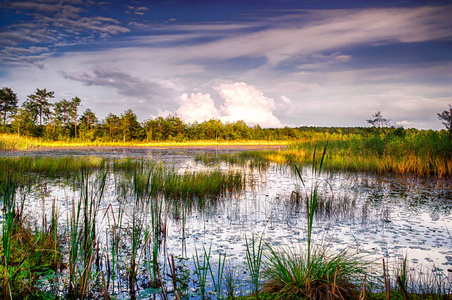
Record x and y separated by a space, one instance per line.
388 216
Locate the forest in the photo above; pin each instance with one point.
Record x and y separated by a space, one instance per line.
62 120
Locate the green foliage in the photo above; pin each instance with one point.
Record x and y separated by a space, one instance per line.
38 104
254 254
8 103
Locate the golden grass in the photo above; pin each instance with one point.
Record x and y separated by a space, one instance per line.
14 142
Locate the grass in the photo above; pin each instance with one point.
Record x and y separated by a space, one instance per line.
25 251
11 142
424 153
254 254
313 274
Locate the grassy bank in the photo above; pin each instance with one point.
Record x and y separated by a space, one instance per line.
425 153
10 142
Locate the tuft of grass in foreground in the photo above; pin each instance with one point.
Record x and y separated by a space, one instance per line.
295 274
313 272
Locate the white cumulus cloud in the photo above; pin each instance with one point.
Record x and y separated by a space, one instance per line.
242 102
197 107
245 102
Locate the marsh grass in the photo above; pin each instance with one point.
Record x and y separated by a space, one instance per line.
48 166
423 153
312 272
217 277
202 267
292 274
254 254
25 250
134 246
10 142
83 237
408 282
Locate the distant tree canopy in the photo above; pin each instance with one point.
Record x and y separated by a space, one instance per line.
446 118
378 120
62 120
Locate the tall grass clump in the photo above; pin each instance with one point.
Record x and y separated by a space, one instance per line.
83 237
50 166
313 271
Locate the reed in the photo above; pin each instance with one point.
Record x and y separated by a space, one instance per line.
254 253
202 267
83 234
25 251
50 166
8 194
423 153
217 277
312 271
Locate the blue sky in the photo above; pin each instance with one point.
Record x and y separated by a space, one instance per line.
269 62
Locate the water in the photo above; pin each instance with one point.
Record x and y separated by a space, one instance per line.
384 216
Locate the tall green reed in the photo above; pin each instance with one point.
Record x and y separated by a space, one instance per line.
254 254
217 277
8 195
202 269
83 234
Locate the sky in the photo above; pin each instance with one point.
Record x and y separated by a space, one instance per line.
274 63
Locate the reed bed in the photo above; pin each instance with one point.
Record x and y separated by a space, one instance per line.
425 153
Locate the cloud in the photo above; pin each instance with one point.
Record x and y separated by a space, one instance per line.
285 100
242 102
125 84
138 10
245 102
54 25
330 30
38 7
197 107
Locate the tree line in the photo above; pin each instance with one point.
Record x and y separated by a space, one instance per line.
62 120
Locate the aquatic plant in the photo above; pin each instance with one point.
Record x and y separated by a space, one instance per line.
313 271
202 267
292 274
82 223
423 153
217 278
254 253
8 195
